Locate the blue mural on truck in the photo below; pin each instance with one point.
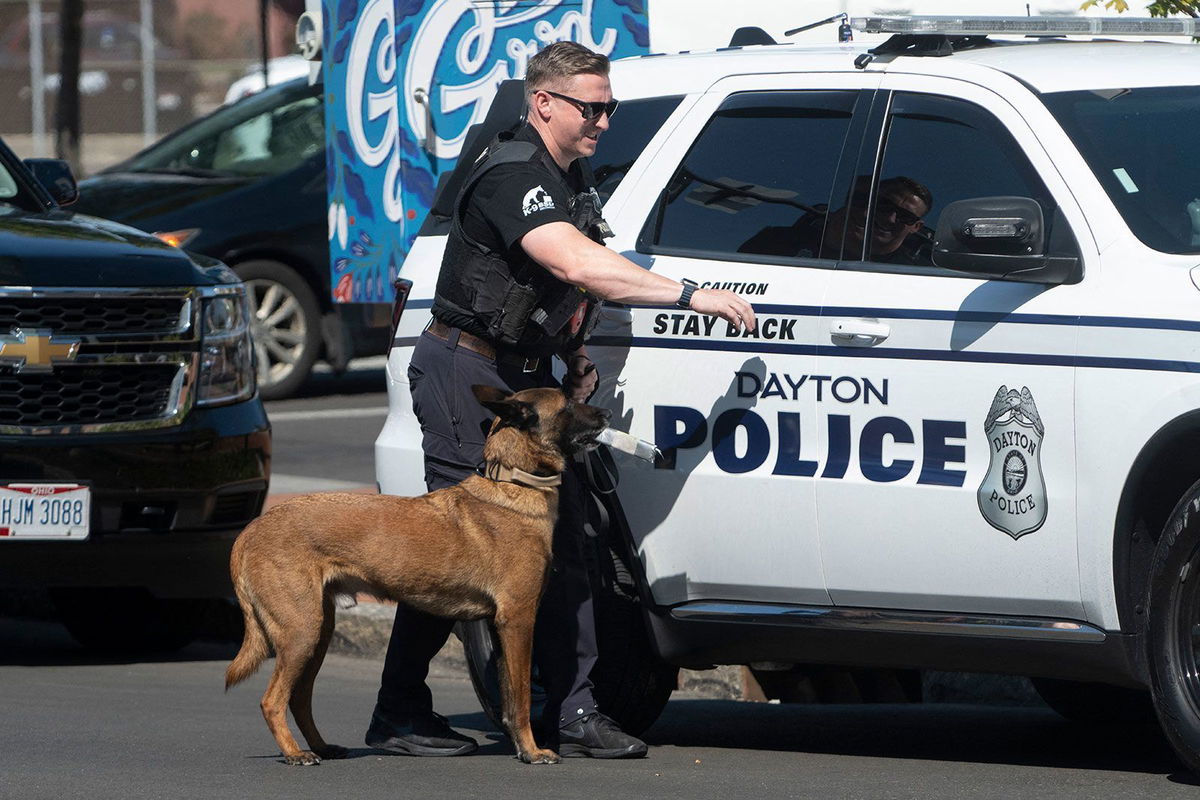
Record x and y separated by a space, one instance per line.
404 80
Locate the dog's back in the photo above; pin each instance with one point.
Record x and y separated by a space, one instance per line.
414 550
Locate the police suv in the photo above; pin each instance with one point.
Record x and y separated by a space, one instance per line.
966 433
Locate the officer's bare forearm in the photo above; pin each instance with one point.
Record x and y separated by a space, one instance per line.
573 258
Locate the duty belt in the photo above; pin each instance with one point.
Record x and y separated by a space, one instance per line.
483 347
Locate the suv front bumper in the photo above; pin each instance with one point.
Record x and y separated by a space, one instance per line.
166 504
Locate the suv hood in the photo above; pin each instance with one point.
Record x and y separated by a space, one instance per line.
133 197
59 248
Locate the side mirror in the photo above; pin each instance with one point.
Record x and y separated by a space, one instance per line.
999 237
55 176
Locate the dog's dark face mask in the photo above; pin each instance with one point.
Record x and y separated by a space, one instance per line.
579 424
559 423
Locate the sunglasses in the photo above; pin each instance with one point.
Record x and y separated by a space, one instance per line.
885 207
590 110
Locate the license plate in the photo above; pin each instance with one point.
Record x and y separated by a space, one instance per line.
44 511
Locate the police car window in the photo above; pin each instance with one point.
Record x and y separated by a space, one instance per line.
757 180
936 150
636 123
1155 184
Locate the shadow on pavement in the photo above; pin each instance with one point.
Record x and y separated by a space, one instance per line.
28 642
357 380
933 732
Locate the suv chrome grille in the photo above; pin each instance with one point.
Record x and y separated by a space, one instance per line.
87 395
76 360
95 315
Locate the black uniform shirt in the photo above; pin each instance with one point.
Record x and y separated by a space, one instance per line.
513 199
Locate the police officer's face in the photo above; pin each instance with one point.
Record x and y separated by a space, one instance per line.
573 134
897 214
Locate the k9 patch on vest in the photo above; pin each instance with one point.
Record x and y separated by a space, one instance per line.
536 199
1012 496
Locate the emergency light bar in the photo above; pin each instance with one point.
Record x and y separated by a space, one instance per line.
1029 26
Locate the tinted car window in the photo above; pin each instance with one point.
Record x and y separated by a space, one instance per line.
636 122
758 179
1155 183
15 190
266 134
8 184
936 150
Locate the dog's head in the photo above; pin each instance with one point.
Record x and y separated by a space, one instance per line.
536 429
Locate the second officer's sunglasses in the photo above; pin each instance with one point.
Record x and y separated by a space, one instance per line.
590 110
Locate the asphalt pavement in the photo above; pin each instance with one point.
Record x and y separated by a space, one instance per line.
78 726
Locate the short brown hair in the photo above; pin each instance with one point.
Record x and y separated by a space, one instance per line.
907 185
560 62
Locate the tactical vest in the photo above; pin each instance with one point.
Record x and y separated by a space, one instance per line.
518 305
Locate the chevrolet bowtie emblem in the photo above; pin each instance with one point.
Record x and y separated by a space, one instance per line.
36 350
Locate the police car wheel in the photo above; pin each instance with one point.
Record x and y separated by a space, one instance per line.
630 684
285 325
1173 631
481 646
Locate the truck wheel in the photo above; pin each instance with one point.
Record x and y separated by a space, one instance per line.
630 684
128 620
285 324
1173 628
1095 703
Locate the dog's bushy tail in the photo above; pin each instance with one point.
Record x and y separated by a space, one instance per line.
255 647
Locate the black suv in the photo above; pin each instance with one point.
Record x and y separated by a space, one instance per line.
246 185
133 443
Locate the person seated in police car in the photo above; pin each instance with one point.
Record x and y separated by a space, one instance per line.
898 232
521 276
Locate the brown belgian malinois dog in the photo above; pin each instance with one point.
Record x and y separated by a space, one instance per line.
480 549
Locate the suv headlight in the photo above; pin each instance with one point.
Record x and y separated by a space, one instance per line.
226 355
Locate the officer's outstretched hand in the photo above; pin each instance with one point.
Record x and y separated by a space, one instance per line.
725 304
581 378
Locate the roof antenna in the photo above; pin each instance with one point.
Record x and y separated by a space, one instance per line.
1027 9
845 32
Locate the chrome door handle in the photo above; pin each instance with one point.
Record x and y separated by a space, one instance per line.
858 332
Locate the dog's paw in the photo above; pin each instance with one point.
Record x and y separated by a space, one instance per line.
332 751
305 758
540 757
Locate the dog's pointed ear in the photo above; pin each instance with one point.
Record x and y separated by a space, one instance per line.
511 412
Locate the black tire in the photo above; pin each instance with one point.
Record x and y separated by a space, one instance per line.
128 620
480 646
630 683
1096 703
1173 628
285 324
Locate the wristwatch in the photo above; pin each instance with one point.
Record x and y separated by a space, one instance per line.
685 298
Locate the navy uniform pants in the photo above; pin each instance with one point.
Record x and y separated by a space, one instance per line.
453 426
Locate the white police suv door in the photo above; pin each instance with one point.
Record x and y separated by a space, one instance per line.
955 488
731 514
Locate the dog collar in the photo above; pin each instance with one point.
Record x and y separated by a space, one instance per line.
498 472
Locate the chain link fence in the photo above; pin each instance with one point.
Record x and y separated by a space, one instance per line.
147 68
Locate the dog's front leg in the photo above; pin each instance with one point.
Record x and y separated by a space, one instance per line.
516 653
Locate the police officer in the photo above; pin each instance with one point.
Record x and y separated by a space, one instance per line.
523 270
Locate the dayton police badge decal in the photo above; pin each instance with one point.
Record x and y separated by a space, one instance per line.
1012 496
